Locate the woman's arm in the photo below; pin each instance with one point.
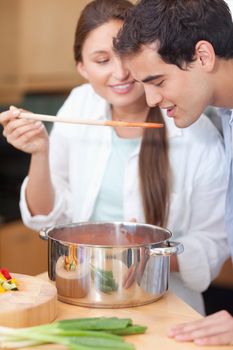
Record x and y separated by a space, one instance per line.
31 137
39 190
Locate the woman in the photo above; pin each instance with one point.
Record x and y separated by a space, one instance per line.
168 177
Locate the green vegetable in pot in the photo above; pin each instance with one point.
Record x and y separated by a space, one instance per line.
76 334
103 280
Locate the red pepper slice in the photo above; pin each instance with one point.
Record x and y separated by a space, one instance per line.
6 274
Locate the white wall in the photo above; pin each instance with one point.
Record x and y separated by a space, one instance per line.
230 4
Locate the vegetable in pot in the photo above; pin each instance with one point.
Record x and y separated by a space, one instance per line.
103 280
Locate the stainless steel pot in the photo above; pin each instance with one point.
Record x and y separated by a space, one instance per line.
110 265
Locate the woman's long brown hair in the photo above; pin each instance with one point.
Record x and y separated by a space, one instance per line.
154 171
153 157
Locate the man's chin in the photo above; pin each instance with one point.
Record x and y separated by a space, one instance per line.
182 122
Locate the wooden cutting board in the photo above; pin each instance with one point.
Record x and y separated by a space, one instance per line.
33 304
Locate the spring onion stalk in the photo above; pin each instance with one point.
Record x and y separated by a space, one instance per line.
76 334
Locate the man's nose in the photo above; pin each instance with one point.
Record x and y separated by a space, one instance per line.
153 97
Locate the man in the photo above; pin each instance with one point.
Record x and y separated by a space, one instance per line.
182 53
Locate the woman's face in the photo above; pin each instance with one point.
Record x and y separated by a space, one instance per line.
105 71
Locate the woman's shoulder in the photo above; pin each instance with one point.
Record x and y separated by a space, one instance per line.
83 90
83 101
83 93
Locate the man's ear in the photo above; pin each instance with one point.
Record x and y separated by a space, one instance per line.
82 71
205 55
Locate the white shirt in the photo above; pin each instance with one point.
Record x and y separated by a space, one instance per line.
227 122
78 157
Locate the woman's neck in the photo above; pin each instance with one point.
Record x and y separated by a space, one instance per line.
134 113
130 113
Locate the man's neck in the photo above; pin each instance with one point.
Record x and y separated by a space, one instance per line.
223 84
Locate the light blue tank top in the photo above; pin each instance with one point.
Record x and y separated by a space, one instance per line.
109 202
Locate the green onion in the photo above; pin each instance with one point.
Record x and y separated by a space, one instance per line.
96 323
76 334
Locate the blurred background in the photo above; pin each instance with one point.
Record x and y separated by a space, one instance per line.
37 71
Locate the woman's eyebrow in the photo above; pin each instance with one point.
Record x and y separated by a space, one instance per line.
98 52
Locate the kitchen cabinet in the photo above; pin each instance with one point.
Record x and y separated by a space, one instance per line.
21 249
36 40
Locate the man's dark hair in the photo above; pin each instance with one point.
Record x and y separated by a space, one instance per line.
176 26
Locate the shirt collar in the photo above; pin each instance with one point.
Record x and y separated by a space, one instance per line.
228 113
231 118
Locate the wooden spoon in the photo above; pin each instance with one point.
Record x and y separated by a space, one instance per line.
50 118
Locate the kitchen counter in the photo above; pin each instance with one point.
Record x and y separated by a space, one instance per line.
158 317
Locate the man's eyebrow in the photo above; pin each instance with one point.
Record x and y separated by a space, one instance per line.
151 77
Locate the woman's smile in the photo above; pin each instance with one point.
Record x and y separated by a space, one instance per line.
123 88
105 71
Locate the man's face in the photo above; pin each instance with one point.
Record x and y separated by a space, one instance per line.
184 94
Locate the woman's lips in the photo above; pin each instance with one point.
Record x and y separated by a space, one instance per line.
122 89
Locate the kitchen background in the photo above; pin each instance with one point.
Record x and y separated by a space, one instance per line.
37 71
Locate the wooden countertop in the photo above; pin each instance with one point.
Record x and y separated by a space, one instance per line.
158 317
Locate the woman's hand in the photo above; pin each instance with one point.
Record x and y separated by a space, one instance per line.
26 135
216 329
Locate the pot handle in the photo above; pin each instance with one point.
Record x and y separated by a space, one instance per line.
168 248
43 233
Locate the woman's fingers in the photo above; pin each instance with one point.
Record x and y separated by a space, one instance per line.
225 338
26 135
214 329
208 323
17 127
6 116
22 136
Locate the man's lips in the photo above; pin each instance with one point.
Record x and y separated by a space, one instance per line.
170 110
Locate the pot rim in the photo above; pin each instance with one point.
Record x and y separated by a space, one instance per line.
45 234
